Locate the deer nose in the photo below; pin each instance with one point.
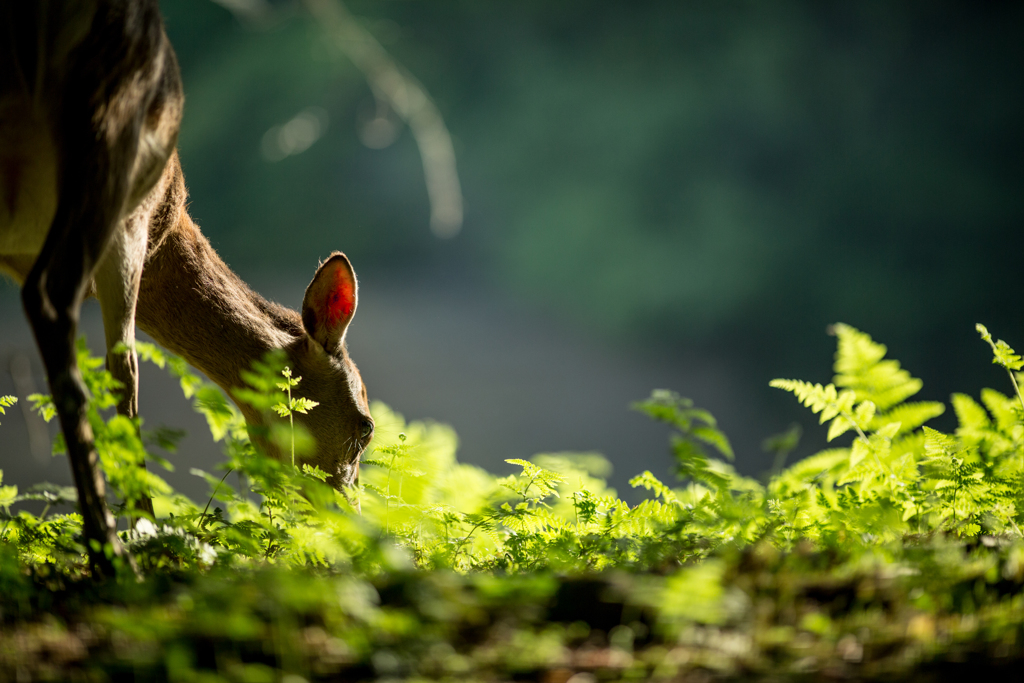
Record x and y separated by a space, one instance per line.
365 427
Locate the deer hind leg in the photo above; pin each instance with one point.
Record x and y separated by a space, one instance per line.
52 296
117 288
98 159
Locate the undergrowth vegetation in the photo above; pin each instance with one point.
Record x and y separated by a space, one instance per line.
897 549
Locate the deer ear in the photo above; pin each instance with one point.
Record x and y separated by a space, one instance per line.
330 302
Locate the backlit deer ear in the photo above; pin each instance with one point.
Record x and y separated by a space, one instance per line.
330 302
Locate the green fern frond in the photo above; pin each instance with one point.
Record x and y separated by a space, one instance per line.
856 350
814 466
861 366
970 415
862 417
7 402
678 411
519 518
373 461
878 446
536 473
43 404
1002 353
713 437
865 470
832 404
909 415
1002 408
820 399
1005 356
937 444
975 427
652 483
152 353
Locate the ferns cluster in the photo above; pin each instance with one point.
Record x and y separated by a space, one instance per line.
900 546
896 479
900 477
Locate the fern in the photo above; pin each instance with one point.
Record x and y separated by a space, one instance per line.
292 406
421 507
696 428
1005 356
861 366
831 404
7 402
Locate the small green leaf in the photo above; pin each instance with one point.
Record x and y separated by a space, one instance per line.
1002 353
43 404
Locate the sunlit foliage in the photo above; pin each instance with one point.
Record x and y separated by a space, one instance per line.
926 522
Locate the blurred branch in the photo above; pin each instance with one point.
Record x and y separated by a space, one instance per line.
247 10
392 84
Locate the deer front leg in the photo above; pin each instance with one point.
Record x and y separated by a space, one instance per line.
117 288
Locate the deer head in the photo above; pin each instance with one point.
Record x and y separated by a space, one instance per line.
340 424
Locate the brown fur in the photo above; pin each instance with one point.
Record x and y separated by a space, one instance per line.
92 200
184 280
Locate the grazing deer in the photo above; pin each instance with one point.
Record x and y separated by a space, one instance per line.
92 201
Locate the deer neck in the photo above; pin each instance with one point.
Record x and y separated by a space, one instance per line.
192 304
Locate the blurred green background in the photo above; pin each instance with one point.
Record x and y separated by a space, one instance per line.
730 174
698 183
734 175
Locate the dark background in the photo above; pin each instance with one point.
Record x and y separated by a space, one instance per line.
660 194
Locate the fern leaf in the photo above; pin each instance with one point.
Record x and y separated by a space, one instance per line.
519 518
909 415
861 367
1002 408
856 350
815 396
820 463
937 444
7 402
652 483
839 426
668 406
969 414
43 404
865 470
376 489
832 404
711 435
900 390
151 353
373 461
1002 354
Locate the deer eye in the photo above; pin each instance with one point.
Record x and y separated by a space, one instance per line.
366 427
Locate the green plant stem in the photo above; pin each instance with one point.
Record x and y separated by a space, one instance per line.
1015 527
270 518
1016 387
864 436
212 496
387 498
466 539
291 420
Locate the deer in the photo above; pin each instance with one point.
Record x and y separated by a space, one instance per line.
93 202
